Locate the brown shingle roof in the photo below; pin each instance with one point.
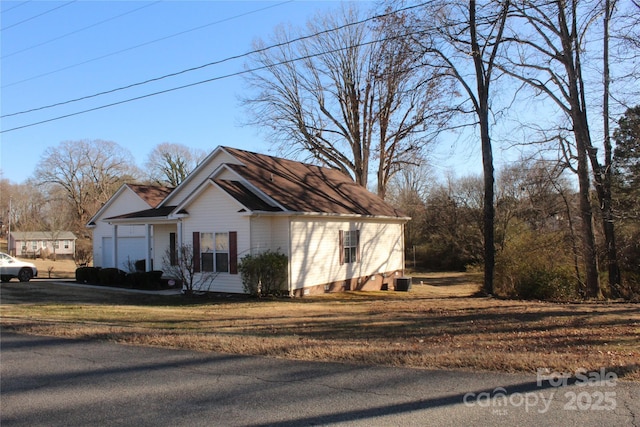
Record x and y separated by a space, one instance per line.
151 194
245 196
147 213
301 187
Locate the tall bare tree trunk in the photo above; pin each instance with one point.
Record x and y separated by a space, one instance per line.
483 79
570 47
613 269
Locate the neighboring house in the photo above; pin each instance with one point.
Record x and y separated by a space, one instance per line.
335 233
43 244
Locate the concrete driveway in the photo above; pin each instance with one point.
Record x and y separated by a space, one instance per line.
58 382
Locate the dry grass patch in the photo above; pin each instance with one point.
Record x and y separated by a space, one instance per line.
436 325
59 269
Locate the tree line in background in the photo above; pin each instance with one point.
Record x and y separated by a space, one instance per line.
75 178
537 227
370 95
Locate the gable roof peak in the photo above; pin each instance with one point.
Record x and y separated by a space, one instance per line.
153 195
303 187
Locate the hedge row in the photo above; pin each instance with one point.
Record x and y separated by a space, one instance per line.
149 280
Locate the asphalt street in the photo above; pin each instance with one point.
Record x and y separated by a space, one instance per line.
58 382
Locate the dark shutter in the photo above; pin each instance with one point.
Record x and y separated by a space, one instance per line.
341 240
233 252
357 245
172 249
196 251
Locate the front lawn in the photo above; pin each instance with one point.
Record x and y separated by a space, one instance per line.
439 324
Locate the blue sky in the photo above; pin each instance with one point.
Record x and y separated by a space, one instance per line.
55 51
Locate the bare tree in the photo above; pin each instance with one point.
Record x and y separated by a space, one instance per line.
348 95
170 163
88 172
181 265
550 41
460 37
408 190
27 206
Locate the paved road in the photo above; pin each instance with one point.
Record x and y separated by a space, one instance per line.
59 382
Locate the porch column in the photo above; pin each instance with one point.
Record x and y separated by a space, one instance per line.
147 237
114 249
179 240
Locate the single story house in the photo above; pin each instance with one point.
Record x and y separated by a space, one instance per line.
336 234
42 244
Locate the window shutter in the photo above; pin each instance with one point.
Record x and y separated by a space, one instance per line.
233 252
172 249
341 240
196 252
357 245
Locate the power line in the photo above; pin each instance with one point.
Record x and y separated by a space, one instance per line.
199 67
233 74
146 43
237 73
38 15
81 29
16 6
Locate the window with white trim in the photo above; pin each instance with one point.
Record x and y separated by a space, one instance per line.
206 251
222 253
349 246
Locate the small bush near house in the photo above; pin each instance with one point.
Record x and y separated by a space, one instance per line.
147 280
264 274
111 277
87 275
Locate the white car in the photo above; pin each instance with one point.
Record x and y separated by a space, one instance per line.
11 267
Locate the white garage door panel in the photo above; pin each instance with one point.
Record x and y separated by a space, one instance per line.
129 249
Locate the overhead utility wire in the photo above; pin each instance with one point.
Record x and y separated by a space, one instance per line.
36 16
81 29
146 43
213 63
237 73
16 6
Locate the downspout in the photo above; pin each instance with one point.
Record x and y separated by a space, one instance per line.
404 261
114 249
290 272
147 238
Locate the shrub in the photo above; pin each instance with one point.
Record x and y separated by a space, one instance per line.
264 274
147 280
111 277
535 265
140 265
542 283
87 275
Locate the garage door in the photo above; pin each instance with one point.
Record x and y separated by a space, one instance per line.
130 249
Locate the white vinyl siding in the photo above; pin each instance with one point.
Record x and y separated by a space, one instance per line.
315 249
126 202
269 233
215 212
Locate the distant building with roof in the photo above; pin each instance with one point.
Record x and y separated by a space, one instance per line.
42 244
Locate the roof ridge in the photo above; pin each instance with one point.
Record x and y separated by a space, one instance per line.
283 159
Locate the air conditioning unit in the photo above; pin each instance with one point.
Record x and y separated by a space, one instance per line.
402 284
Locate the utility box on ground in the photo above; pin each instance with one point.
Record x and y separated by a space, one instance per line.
402 284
